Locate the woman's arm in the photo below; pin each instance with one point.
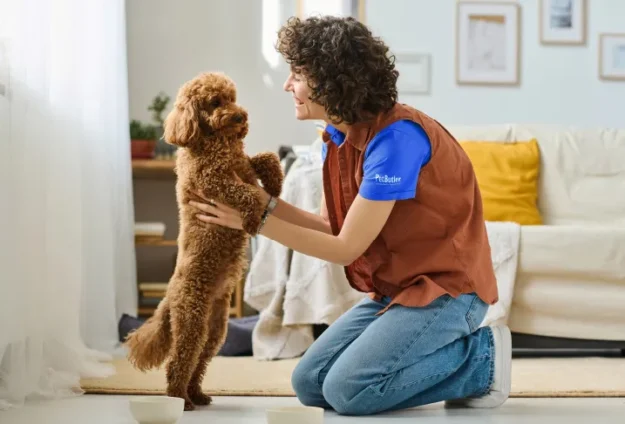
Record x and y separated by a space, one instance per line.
301 218
363 223
294 215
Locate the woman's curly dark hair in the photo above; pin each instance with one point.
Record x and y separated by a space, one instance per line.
349 70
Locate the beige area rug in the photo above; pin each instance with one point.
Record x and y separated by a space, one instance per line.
228 376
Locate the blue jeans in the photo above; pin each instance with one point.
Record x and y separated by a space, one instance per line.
366 364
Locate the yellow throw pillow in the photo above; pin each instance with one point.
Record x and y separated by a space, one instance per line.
507 174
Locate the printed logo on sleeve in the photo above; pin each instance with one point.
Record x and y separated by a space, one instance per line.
385 179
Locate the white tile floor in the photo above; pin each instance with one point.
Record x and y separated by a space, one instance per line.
94 409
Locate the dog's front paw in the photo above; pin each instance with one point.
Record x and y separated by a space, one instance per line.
274 185
268 168
251 222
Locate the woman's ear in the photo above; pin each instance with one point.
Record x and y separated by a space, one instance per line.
182 124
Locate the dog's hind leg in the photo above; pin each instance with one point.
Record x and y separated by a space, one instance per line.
217 329
189 319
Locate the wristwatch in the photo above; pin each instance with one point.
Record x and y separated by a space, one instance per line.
273 202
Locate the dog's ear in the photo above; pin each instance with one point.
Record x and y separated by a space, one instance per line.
182 124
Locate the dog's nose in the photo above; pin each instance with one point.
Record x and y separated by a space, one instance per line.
238 118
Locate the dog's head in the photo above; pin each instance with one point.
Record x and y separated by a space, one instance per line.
205 109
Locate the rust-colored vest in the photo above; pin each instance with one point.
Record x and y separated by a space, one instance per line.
431 245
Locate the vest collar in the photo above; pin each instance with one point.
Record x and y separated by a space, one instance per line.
360 133
357 136
335 135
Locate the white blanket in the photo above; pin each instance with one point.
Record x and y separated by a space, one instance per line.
294 291
504 239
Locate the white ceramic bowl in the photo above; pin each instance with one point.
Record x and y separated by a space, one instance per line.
156 409
295 415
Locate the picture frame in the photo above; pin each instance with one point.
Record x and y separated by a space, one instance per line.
563 22
414 72
612 56
354 8
488 39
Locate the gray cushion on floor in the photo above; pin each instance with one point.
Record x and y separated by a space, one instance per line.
238 340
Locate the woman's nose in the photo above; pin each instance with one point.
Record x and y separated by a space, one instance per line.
287 84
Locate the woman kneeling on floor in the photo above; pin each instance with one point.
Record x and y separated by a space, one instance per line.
402 212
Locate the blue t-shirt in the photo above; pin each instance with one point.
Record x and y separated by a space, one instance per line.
393 160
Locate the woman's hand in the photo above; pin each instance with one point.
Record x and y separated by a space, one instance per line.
214 212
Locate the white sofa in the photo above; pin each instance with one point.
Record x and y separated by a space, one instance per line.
571 270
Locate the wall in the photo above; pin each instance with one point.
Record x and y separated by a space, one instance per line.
170 42
559 84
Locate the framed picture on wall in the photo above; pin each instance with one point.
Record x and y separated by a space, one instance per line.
487 43
612 57
354 8
562 21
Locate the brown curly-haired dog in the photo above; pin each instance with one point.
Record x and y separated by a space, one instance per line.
189 326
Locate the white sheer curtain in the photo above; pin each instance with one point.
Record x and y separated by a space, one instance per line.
67 268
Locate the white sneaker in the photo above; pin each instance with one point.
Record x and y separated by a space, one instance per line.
500 390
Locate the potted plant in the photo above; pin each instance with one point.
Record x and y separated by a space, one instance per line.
164 150
159 104
142 140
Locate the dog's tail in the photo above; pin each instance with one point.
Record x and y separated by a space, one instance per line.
149 345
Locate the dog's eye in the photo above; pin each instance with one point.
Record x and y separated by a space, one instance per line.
215 103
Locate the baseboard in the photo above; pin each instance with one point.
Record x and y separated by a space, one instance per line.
533 345
528 345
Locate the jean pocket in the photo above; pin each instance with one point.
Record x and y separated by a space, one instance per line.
476 313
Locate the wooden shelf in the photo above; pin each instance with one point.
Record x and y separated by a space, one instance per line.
153 241
153 286
153 168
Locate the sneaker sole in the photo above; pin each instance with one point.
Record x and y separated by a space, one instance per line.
506 340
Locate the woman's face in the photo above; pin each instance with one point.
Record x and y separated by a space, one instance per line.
304 108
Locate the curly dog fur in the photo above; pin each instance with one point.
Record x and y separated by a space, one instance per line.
189 326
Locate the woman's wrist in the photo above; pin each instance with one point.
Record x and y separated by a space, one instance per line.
270 204
268 221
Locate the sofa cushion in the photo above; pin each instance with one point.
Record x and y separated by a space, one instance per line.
574 251
507 174
570 282
582 176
